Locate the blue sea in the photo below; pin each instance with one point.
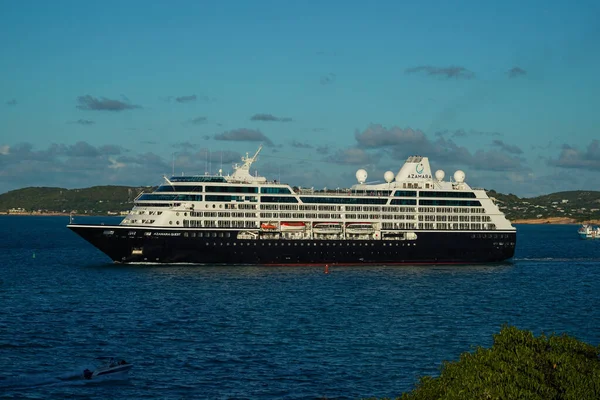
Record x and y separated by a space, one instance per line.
244 332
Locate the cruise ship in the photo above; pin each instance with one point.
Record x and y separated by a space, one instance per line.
411 217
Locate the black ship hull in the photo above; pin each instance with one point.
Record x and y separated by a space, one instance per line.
223 247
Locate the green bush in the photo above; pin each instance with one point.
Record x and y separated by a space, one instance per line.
518 366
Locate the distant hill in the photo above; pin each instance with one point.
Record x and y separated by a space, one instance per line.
100 200
94 200
578 205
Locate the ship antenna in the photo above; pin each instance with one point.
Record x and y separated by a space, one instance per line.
205 160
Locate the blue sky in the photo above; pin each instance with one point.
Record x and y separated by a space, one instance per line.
112 92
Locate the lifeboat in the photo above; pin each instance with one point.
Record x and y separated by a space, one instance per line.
268 226
327 227
359 227
293 226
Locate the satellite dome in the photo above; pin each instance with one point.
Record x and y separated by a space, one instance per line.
361 176
439 175
459 176
388 176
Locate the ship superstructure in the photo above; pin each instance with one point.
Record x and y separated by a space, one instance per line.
413 217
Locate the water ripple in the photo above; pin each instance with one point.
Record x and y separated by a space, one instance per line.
271 333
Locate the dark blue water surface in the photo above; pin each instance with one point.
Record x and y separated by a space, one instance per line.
269 332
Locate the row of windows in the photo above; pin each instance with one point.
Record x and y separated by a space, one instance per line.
453 194
342 200
454 203
286 199
405 193
405 202
286 190
178 188
216 197
275 190
220 224
368 192
158 204
397 216
232 189
149 212
170 197
278 199
211 179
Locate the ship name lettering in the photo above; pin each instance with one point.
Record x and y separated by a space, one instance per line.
419 176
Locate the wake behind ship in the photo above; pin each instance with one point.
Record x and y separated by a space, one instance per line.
413 217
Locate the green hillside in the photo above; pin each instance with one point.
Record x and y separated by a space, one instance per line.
577 205
94 200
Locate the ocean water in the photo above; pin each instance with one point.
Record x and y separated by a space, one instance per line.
244 332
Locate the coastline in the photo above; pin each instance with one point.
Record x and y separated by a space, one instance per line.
57 214
554 221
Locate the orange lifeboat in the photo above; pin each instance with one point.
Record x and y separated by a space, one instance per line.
268 226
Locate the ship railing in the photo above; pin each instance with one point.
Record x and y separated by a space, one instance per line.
139 195
342 192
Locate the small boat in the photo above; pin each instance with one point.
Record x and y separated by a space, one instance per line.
293 226
269 226
359 227
589 232
327 227
107 366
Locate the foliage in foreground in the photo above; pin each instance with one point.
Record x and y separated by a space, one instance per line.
518 366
